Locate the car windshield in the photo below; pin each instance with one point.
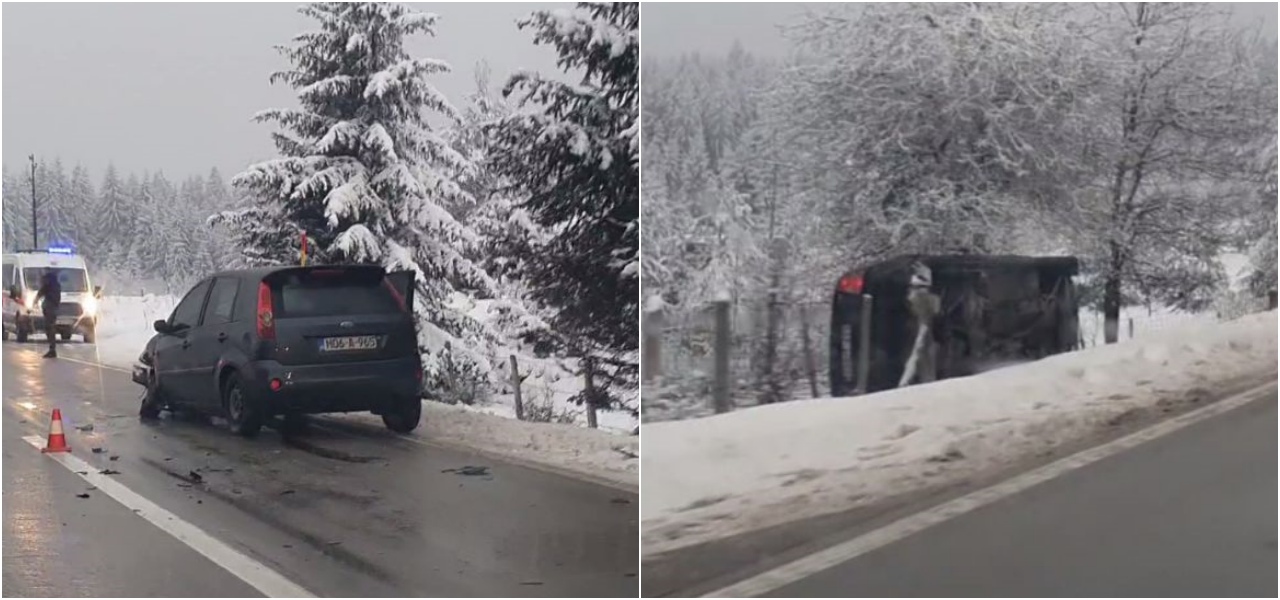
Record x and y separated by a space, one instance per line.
326 295
72 280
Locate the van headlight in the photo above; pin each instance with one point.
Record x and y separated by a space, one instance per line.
90 306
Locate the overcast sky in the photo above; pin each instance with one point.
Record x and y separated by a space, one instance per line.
173 86
672 29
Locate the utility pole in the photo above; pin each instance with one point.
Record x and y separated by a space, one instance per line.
35 236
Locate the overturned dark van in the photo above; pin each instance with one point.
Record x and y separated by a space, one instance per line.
993 310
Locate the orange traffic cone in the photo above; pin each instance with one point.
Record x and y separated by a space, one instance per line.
57 440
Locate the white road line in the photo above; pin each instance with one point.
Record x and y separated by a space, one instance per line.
252 572
94 364
822 560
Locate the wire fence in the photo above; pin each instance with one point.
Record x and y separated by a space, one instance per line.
679 356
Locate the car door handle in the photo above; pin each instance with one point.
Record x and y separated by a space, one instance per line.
222 337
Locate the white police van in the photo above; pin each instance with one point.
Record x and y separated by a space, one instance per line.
23 272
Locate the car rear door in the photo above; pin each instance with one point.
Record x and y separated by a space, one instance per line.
341 315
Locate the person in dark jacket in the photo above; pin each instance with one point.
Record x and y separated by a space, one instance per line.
51 294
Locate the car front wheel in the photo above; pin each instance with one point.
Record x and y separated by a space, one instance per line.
152 399
404 416
243 414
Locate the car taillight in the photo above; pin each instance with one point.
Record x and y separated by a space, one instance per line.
398 296
266 320
850 284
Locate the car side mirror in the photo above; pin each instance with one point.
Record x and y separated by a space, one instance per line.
161 326
97 292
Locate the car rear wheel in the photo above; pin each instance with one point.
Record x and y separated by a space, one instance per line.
65 335
90 334
243 414
152 399
404 416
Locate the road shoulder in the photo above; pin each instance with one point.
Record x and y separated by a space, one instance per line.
698 569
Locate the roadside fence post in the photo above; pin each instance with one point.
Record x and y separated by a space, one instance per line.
720 395
516 380
864 345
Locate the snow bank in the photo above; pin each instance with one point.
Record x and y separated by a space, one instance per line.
598 454
126 325
716 476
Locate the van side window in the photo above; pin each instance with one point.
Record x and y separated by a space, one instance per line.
9 280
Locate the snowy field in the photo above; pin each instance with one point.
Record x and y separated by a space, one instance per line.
608 453
717 476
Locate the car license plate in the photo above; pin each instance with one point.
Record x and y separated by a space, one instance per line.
344 344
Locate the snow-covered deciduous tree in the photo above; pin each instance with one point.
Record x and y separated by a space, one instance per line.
1179 102
934 124
365 174
573 150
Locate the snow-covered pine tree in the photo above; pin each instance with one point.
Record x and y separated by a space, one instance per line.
83 220
506 235
51 194
17 212
115 219
573 149
364 173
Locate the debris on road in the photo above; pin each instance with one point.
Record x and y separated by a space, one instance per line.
286 492
87 427
620 501
195 477
98 450
85 495
114 457
470 471
625 452
108 472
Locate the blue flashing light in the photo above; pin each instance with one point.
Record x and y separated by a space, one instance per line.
61 250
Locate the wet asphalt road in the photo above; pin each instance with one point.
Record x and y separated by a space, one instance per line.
1186 515
344 509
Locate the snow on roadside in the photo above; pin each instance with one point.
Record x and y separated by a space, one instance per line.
126 326
597 454
713 477
126 323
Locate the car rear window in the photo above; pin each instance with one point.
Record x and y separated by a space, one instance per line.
332 293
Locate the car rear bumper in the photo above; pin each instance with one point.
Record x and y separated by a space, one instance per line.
345 387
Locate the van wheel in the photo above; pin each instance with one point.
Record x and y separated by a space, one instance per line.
22 334
90 334
152 399
65 335
404 416
243 414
